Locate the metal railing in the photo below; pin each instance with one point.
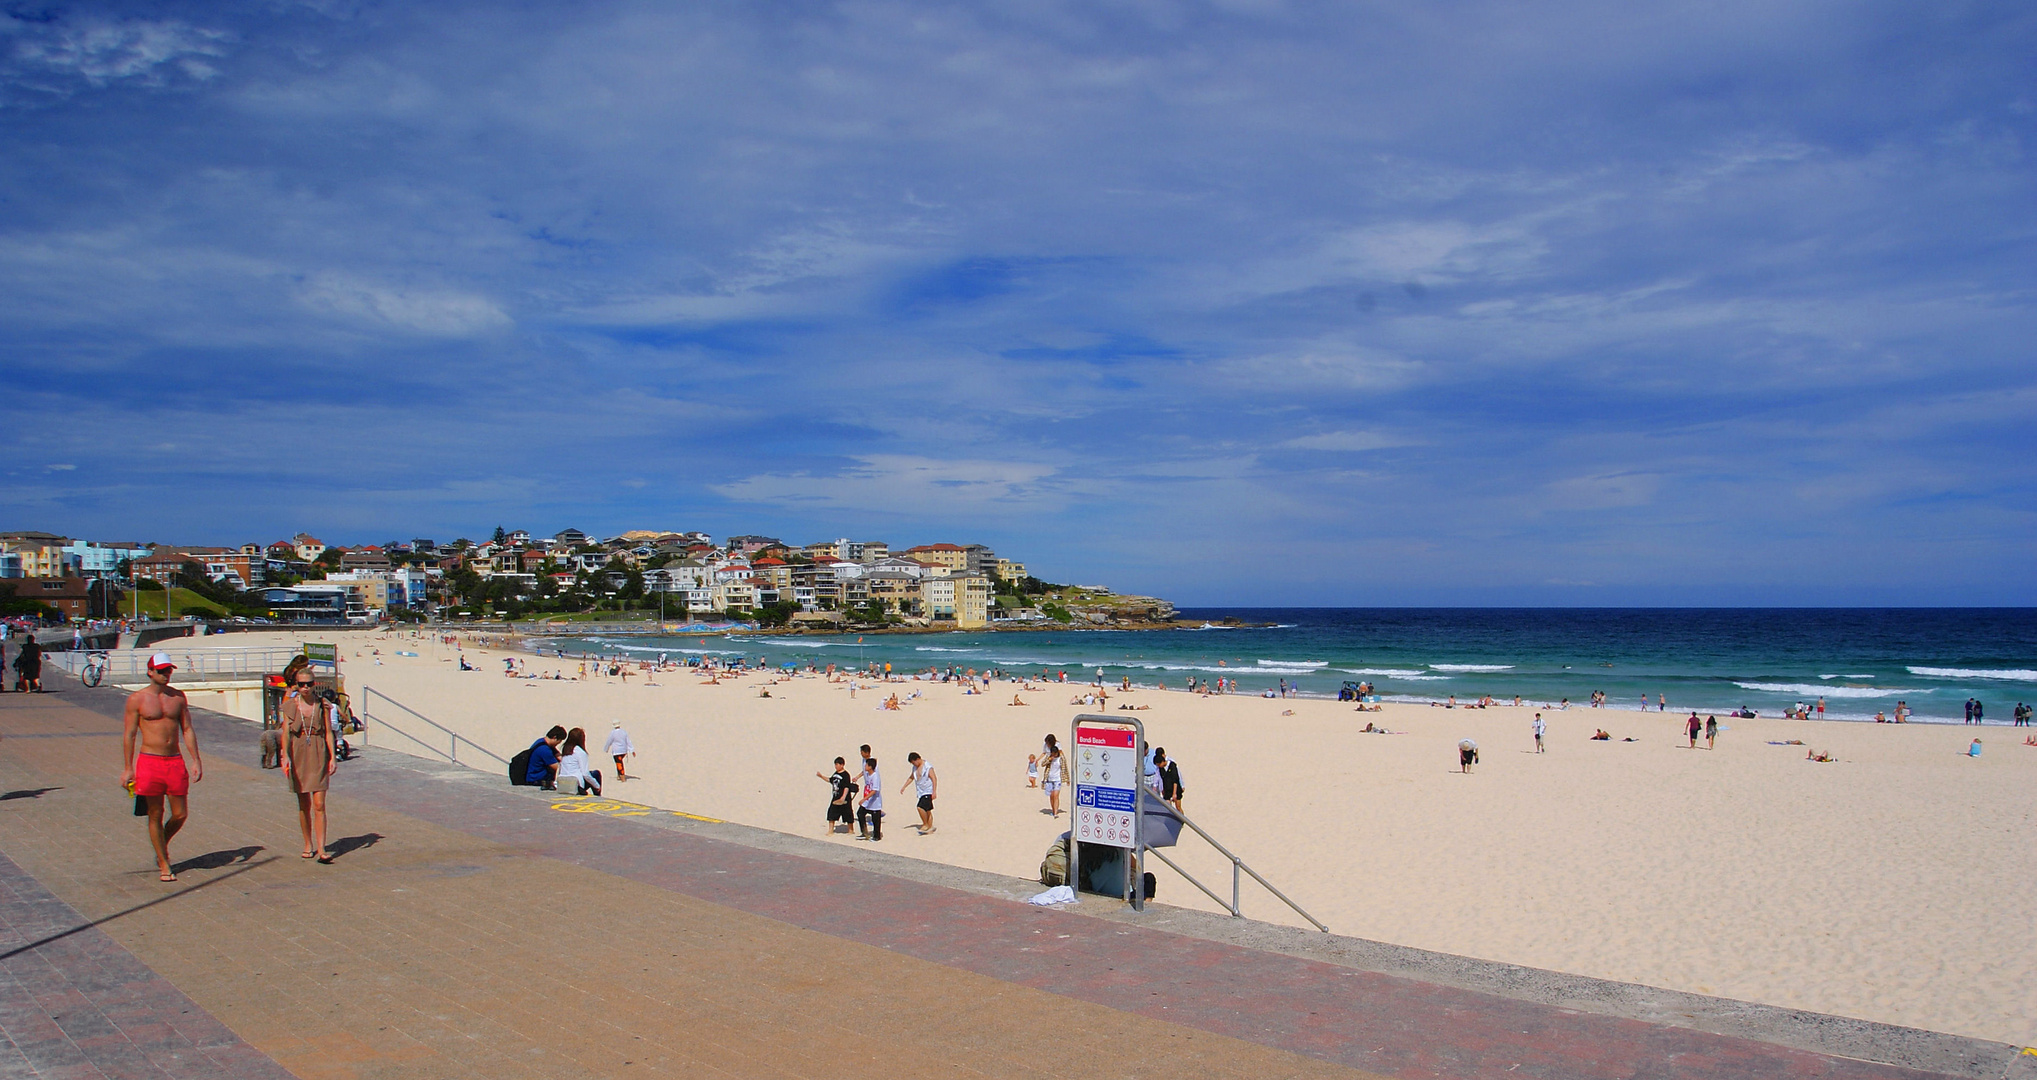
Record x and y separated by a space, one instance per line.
454 738
1238 868
132 664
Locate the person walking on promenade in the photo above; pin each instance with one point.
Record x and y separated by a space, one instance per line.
925 785
1711 732
1050 778
1692 727
308 760
870 816
1540 728
841 793
28 666
619 747
160 717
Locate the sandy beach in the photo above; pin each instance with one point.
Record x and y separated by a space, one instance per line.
1886 884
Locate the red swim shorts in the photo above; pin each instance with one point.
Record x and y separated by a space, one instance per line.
161 774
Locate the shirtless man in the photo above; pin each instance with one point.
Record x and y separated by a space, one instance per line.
159 713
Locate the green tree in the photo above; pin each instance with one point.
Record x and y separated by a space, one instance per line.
776 614
499 536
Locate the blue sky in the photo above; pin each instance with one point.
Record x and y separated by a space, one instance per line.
1238 303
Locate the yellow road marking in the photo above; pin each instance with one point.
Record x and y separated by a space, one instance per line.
618 808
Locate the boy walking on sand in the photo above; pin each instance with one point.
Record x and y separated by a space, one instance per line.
1539 729
924 784
870 816
841 788
1692 727
619 747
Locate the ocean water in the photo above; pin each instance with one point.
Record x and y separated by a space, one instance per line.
1861 661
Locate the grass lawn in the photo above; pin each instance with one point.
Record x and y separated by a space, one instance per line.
187 603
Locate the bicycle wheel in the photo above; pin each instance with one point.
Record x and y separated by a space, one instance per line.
93 673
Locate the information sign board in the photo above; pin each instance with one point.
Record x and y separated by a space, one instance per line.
1106 774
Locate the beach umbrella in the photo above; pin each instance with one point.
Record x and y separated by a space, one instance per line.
1161 826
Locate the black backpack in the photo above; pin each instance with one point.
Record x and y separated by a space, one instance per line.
519 768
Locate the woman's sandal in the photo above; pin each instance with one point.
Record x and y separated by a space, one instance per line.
326 859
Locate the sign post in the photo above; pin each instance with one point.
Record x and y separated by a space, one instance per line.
1108 767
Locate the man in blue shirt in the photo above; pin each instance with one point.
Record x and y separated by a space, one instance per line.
544 759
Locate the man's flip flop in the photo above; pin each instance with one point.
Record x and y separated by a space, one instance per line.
306 855
166 877
326 859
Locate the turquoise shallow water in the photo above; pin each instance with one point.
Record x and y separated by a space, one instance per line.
1860 660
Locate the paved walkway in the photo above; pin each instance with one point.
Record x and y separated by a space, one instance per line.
470 930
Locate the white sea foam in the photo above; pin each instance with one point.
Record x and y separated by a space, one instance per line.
937 648
1391 673
1845 676
1471 667
784 643
1814 690
1425 678
2005 674
1278 666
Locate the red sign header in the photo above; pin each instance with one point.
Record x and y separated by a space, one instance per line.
1102 736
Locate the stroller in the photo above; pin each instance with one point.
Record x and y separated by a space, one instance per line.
344 722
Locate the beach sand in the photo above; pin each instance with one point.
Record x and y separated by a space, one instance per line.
1889 884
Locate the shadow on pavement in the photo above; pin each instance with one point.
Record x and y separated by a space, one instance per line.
215 860
61 934
347 844
29 793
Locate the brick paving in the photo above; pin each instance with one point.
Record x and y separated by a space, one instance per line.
469 930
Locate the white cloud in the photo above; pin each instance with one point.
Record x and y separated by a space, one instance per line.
901 484
102 51
439 313
1348 441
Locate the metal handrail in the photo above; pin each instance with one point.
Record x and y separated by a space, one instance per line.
1237 865
369 694
231 660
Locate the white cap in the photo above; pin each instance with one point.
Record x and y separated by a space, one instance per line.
161 660
618 723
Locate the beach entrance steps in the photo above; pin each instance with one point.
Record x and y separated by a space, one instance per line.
1160 825
392 709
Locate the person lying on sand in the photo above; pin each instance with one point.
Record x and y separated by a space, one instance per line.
1601 735
1818 755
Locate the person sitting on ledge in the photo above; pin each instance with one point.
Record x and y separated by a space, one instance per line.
573 767
543 770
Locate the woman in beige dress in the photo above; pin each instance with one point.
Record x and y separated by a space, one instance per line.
308 760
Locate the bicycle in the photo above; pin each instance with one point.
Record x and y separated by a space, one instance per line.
95 668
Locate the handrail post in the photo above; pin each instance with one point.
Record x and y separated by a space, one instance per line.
1235 913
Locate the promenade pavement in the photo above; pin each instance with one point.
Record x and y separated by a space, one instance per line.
470 929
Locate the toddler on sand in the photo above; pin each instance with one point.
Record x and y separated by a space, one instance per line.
1032 770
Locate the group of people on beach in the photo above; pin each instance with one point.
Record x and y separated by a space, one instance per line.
860 798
